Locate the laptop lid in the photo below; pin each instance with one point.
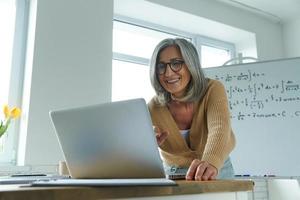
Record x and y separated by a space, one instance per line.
110 140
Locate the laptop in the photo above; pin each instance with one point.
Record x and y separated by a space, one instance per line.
108 144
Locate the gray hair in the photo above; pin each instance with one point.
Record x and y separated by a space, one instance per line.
198 83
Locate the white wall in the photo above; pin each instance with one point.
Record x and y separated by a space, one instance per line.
291 38
71 66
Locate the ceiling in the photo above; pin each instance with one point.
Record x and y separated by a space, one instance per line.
278 10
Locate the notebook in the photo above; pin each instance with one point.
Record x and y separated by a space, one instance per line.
108 144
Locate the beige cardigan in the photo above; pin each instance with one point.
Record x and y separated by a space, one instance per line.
211 136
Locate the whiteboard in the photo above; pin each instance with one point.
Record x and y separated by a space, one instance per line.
264 100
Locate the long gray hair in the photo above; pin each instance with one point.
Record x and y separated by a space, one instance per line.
198 83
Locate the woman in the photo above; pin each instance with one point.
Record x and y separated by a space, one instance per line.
190 113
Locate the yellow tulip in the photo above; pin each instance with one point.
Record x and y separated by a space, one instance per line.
9 114
15 112
6 111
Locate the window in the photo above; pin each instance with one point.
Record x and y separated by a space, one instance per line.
12 39
125 84
209 55
214 52
7 27
133 43
132 49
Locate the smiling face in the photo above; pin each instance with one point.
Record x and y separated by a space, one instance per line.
174 82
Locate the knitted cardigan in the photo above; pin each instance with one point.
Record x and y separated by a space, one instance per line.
211 137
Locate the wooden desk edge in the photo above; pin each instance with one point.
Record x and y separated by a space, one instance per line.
183 188
189 187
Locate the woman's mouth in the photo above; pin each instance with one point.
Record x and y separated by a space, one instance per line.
172 81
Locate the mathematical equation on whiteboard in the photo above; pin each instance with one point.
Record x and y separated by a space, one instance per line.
253 95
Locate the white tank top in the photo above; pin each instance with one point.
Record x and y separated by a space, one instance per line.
185 134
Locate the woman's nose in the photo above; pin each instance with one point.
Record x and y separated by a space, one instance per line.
169 71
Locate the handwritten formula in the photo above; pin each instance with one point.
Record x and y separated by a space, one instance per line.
255 95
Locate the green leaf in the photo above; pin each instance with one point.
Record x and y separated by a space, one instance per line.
3 128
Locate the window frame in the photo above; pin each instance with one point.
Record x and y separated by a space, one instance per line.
196 39
9 156
206 41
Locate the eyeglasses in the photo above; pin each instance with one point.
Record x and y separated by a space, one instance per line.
175 65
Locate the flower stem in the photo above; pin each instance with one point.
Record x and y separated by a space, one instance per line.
3 127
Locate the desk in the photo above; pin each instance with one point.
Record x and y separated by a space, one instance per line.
200 190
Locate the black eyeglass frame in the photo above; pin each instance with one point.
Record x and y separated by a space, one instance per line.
175 65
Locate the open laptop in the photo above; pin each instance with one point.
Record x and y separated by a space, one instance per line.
108 144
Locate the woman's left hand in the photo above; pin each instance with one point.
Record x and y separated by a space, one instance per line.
201 171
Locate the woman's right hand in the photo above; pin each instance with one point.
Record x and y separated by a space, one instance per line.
161 135
200 170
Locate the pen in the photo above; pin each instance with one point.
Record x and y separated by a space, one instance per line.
243 175
269 175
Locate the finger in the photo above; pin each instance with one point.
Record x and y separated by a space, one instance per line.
163 136
214 172
157 132
211 172
159 140
192 170
160 135
157 137
156 129
208 173
213 177
200 171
